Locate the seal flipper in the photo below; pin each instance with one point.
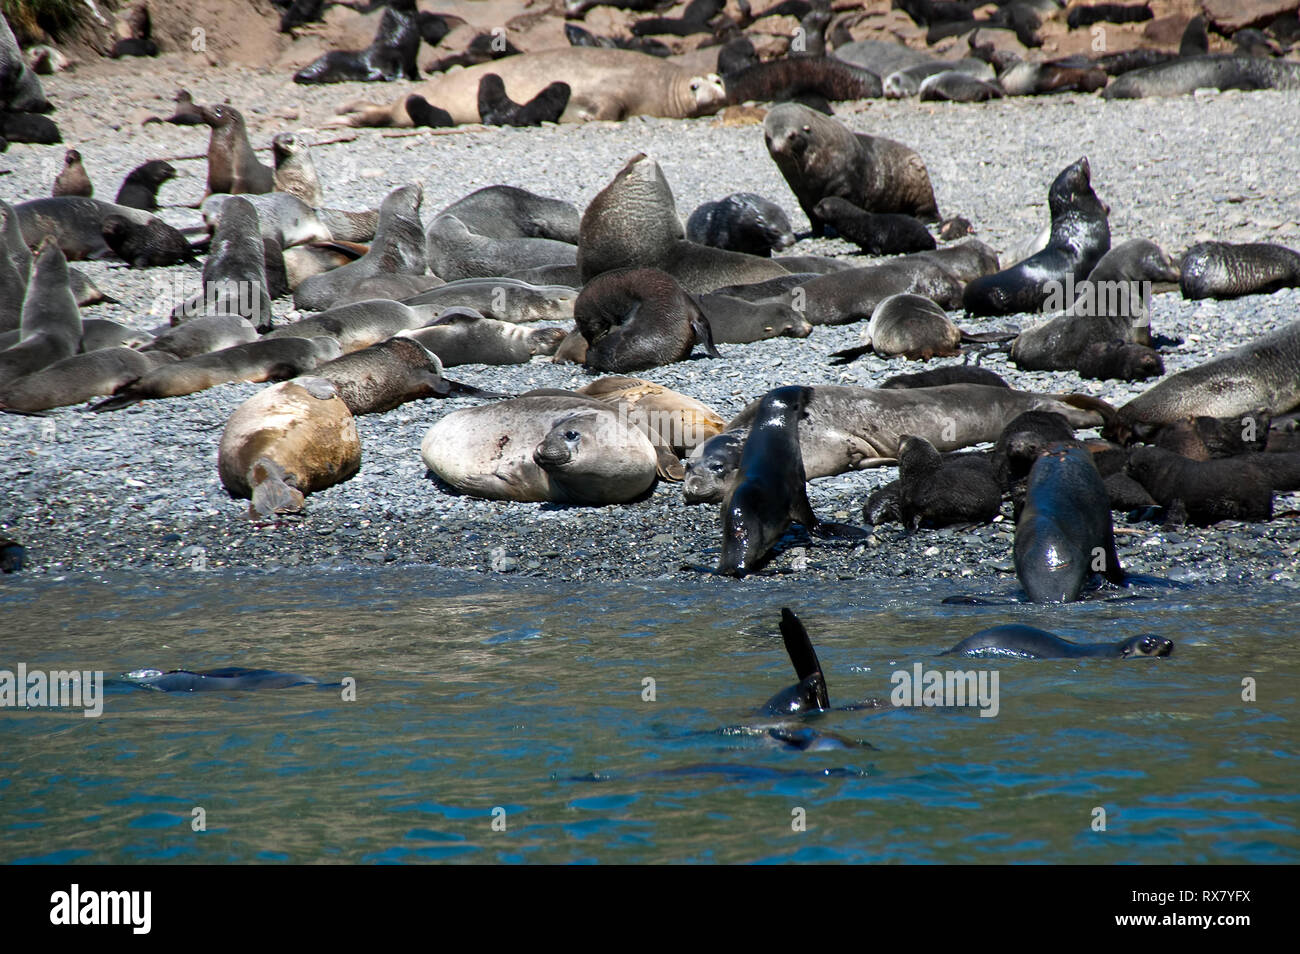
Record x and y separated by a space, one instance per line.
271 493
799 646
809 694
704 334
456 387
849 354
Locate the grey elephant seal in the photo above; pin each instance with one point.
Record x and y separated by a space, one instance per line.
234 274
233 167
75 222
72 178
741 222
633 222
809 694
358 325
293 439
1205 491
50 326
387 375
266 359
1027 642
879 233
1080 236
398 247
819 157
1215 71
1222 270
639 318
464 336
455 252
603 84
1260 374
508 212
79 378
139 190
1064 534
227 679
939 492
295 173
548 447
505 299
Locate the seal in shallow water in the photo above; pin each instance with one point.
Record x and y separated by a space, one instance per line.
1016 639
228 679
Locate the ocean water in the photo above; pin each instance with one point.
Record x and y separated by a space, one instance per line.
500 719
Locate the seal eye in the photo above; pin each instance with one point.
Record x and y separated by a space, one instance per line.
572 436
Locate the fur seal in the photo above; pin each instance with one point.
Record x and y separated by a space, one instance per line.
234 274
820 157
1223 270
455 252
394 287
844 297
75 222
910 325
508 212
939 492
203 334
387 375
633 222
97 333
50 327
879 233
398 247
281 216
140 187
1206 491
558 447
1080 236
20 89
741 222
285 442
807 78
154 245
639 318
186 112
505 299
809 694
267 359
79 378
295 173
355 326
464 336
948 374
1027 642
1215 71
1136 260
1118 360
15 267
232 165
736 321
1024 440
955 86
495 108
1064 533
604 84
227 679
390 55
72 178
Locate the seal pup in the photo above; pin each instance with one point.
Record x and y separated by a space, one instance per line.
1205 491
874 233
1223 270
72 178
741 222
820 157
226 679
75 222
50 327
186 112
1080 236
234 274
1064 533
938 492
508 212
233 167
398 247
355 326
78 378
908 325
1119 360
495 108
1027 642
1024 440
559 447
464 336
639 318
1134 261
295 173
288 441
455 252
736 321
387 375
809 694
139 189
154 245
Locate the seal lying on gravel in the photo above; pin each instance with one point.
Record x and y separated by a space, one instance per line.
1214 71
505 299
463 336
671 420
637 318
455 252
288 441
549 446
76 223
939 492
875 233
603 84
1221 270
1027 642
741 222
354 326
387 375
79 378
1205 492
507 212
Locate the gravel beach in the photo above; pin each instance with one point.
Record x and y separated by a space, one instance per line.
139 488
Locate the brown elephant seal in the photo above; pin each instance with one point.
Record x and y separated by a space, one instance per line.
1223 270
398 247
464 336
388 374
603 84
669 419
267 359
139 190
290 440
637 318
356 326
234 273
72 178
295 173
233 167
508 212
633 223
558 447
79 378
50 327
455 252
820 157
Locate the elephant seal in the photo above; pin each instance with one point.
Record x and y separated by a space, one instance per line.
1064 534
267 359
291 440
75 222
233 167
295 173
202 335
139 189
938 492
670 420
495 108
72 178
809 694
558 447
508 212
234 274
741 222
948 374
424 114
633 222
464 336
604 84
771 488
1205 491
637 318
505 299
819 157
1185 75
77 379
398 247
455 252
227 679
155 245
391 55
1260 374
711 470
50 326
1222 270
1080 236
878 233
1027 642
387 375
355 326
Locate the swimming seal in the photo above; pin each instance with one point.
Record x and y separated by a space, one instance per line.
232 165
820 157
1028 642
1080 236
1064 534
464 336
295 173
50 327
875 233
638 318
286 442
809 694
72 178
227 679
1222 270
140 187
741 222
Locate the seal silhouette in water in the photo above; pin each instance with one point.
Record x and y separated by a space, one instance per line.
229 679
809 694
1016 639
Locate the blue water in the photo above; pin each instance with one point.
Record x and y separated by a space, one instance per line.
502 720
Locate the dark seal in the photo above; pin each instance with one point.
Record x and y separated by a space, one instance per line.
1027 642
